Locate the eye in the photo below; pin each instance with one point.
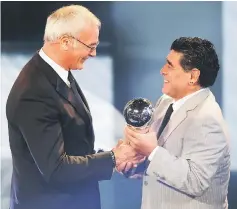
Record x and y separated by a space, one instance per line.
168 65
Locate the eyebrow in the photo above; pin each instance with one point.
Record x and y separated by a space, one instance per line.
170 63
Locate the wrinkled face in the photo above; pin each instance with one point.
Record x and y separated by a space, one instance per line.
176 80
80 48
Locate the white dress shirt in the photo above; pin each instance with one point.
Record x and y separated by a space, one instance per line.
58 69
176 105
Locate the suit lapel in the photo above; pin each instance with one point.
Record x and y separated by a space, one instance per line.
82 96
62 88
82 99
174 122
182 113
160 111
68 94
86 106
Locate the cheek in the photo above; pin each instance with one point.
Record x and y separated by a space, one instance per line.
185 79
81 56
179 80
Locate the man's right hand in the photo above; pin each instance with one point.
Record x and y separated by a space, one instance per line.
126 157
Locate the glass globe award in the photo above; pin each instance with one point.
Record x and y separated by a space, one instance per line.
138 114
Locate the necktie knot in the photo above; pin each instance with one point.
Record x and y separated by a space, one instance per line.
70 77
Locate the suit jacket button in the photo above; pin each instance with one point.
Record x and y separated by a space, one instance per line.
145 183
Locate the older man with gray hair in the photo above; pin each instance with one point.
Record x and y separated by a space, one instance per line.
50 125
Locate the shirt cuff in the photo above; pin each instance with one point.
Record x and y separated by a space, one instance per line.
152 153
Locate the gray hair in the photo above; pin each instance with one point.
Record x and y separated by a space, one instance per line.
68 20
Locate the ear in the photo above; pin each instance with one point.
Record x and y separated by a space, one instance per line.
194 76
65 43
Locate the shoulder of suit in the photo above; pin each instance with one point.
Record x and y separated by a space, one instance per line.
164 98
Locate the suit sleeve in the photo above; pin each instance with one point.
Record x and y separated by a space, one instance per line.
39 123
203 149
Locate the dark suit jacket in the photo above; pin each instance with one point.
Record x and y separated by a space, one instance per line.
52 144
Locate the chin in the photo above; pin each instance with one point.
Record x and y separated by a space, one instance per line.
80 67
164 90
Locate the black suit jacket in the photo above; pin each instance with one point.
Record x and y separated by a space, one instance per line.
52 144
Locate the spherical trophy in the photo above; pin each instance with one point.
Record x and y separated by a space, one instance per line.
138 114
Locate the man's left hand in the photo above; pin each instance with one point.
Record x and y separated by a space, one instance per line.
144 144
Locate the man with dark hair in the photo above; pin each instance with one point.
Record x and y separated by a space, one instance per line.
187 145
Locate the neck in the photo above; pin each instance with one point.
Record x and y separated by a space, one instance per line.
54 53
192 90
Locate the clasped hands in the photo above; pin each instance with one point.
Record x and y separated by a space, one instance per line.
133 149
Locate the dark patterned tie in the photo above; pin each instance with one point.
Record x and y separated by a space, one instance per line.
75 91
165 120
81 99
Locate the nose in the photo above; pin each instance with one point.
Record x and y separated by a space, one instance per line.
93 53
162 70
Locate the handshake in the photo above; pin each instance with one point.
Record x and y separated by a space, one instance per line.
133 150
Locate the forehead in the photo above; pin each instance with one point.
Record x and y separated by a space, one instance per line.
90 33
174 57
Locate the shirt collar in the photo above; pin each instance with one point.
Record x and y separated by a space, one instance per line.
177 104
58 69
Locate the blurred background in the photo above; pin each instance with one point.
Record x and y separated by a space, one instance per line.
135 39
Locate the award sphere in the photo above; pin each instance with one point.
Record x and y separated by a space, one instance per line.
138 114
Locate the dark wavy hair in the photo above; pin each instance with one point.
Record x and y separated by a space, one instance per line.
198 53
